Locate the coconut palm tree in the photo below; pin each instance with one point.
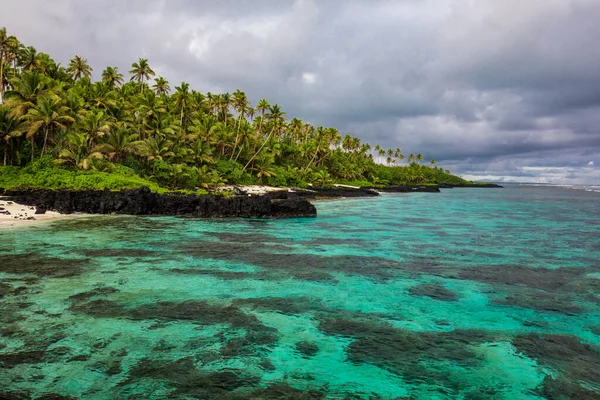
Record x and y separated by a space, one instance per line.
94 124
28 59
112 76
182 99
141 70
264 166
156 148
276 118
48 114
240 102
161 86
5 48
119 142
77 153
262 106
79 68
10 128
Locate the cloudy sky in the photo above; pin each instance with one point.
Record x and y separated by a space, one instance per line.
503 90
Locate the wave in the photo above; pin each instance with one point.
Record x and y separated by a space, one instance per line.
587 188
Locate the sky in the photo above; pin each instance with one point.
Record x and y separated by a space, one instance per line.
499 90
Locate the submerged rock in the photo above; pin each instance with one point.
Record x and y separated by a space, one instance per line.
577 364
307 349
434 291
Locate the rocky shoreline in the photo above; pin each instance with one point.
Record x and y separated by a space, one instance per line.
284 203
143 202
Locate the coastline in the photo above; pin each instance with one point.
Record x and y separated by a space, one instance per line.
21 207
14 214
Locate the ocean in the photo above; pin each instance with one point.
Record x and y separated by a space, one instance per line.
465 294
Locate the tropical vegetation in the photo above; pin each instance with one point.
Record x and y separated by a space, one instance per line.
58 123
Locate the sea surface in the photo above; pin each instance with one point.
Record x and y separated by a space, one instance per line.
465 294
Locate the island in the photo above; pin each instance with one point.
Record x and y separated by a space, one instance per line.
117 144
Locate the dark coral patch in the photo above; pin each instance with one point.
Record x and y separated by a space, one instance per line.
404 352
43 266
283 391
101 291
15 395
303 266
55 396
257 335
578 364
284 305
221 274
307 349
541 301
185 379
121 252
11 360
434 291
194 311
257 238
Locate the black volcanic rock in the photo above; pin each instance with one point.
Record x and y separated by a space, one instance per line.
40 210
143 202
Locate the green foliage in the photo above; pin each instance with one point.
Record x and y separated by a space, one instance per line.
33 177
234 172
123 132
288 176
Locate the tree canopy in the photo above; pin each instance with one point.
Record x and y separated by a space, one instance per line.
178 138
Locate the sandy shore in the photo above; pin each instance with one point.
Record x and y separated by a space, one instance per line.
252 189
13 214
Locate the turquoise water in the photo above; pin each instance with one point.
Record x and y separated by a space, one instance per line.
465 294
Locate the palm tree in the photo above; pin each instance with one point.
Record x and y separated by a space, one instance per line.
12 49
48 114
182 98
156 148
262 106
5 43
26 90
94 124
276 117
28 59
118 143
141 70
263 167
240 102
225 102
76 152
161 86
10 127
79 68
322 177
112 76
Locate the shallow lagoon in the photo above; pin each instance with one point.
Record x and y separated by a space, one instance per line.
466 294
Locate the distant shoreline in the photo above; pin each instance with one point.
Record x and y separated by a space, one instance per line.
20 207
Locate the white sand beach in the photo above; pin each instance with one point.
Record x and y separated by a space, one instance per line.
14 214
252 189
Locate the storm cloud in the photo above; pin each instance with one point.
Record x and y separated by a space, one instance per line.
497 89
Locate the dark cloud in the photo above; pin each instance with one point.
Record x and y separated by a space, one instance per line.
488 88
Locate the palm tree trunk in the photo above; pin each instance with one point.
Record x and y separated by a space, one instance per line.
2 78
315 156
259 150
237 134
45 142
